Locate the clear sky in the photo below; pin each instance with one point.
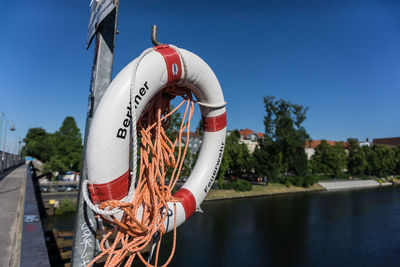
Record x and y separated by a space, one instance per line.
341 59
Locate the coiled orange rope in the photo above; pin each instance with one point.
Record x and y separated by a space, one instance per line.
153 189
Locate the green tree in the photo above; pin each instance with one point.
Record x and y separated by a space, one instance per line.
382 160
173 124
37 142
281 150
268 160
55 164
69 144
357 159
396 151
371 160
329 159
236 160
67 148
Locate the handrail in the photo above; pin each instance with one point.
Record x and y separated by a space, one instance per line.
33 248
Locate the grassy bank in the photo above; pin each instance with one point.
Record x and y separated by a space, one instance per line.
260 190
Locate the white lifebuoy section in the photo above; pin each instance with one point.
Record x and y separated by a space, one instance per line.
108 142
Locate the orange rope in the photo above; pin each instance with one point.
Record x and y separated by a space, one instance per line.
152 193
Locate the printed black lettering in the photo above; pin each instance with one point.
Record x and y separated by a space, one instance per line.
142 92
137 99
121 133
127 122
216 168
129 113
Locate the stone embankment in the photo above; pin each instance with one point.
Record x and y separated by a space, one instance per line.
259 190
350 184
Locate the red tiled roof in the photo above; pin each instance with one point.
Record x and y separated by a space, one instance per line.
260 135
315 143
246 132
390 142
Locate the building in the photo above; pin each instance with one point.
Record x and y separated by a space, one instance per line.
69 176
390 142
364 143
250 138
194 143
312 144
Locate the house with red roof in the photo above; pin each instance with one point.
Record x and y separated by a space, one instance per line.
250 138
390 142
312 144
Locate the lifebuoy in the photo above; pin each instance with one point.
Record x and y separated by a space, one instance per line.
108 142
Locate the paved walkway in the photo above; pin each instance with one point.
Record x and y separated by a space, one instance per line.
351 184
12 193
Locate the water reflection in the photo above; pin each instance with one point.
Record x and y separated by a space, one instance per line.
348 228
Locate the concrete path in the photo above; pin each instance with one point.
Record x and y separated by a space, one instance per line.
12 193
351 184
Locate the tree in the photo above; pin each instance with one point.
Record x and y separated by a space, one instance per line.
382 160
329 159
357 159
55 164
66 145
371 159
236 160
281 150
396 151
38 144
69 144
174 124
268 160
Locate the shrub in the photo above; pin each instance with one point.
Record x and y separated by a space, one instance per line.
237 185
220 183
299 181
309 180
242 185
66 205
344 176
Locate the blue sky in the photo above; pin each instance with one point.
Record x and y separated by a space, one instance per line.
340 59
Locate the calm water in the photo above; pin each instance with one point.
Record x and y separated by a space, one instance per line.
348 228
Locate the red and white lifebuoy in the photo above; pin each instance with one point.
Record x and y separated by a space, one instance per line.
108 142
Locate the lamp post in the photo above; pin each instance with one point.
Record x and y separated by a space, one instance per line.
12 128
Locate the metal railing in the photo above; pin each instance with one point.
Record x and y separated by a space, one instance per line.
9 161
33 248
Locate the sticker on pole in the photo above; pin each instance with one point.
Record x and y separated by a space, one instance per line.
99 10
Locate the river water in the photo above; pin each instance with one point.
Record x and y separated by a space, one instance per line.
344 228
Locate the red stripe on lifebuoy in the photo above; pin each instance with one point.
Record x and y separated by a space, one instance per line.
116 189
173 62
214 124
188 201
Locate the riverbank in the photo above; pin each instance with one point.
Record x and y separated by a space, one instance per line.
260 190
350 184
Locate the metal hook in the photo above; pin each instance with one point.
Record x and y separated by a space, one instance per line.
154 36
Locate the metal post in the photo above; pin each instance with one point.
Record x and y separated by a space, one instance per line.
84 246
2 115
2 152
3 162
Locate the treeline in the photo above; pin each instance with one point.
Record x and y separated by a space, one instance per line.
60 151
378 160
281 157
280 152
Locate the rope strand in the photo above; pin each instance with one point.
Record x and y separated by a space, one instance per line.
145 214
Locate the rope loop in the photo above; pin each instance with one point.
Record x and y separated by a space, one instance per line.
162 154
